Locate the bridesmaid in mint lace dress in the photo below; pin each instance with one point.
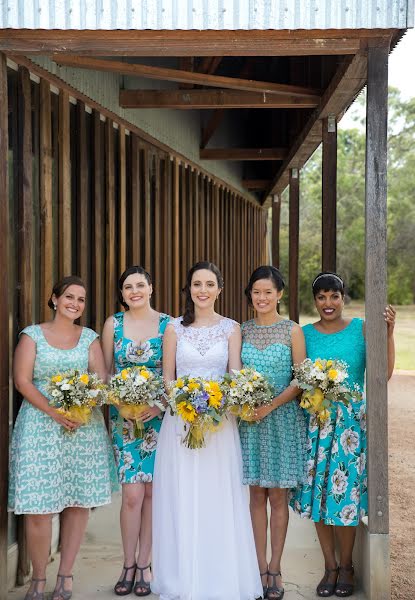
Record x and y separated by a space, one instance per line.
53 471
335 493
273 449
131 338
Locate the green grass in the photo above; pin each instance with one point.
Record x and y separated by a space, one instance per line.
404 331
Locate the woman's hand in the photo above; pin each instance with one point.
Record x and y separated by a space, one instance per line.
262 412
150 413
390 317
62 420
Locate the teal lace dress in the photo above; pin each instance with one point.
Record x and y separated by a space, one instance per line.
273 450
135 456
336 487
51 469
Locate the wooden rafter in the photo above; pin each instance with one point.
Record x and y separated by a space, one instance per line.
198 99
255 184
176 75
187 43
243 153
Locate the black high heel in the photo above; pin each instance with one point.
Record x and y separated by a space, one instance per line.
325 588
141 583
123 583
277 592
35 594
344 589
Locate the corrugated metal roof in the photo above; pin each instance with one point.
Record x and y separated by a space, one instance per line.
206 14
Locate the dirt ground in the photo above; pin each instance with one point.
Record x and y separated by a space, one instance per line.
402 483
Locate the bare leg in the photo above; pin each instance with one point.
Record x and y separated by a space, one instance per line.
258 507
346 537
130 520
326 538
38 535
279 523
73 525
145 543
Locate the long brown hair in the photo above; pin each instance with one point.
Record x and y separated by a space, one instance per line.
189 309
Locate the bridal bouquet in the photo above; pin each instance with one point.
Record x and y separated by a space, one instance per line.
132 390
322 382
201 405
246 390
76 393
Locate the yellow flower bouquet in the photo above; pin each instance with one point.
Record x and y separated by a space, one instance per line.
246 390
322 382
132 390
76 393
201 405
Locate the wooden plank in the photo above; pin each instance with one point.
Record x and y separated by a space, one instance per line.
190 216
111 259
255 184
186 63
135 201
175 75
294 225
176 304
329 194
64 187
275 242
5 316
208 99
98 212
196 216
146 187
122 202
156 231
243 153
83 225
184 226
376 290
213 123
188 43
46 199
166 228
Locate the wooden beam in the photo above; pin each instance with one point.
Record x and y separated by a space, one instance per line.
376 291
4 316
64 187
294 226
187 43
243 153
186 64
110 212
98 215
175 75
255 184
329 194
83 226
275 241
122 201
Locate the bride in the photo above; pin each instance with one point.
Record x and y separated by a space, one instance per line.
203 542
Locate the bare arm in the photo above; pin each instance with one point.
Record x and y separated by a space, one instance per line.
96 363
234 349
23 364
169 354
298 353
107 343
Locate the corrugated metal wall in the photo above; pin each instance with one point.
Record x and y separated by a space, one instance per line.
206 14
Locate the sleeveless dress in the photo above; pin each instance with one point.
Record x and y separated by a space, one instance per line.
203 546
336 487
51 469
273 450
135 456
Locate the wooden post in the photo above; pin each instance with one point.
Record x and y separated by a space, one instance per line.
294 226
329 194
275 242
375 288
83 226
64 183
98 212
4 317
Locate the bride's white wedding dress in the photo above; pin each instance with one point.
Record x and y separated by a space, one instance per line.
203 545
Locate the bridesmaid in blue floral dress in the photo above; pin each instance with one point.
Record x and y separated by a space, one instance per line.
273 449
53 470
335 494
131 338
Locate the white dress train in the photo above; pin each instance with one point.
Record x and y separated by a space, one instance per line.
203 544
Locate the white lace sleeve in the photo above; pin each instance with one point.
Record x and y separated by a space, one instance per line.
229 326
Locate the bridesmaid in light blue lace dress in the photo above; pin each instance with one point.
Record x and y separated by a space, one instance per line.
273 449
132 338
335 493
53 470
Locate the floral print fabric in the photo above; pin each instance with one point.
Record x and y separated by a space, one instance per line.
336 488
51 469
273 450
135 456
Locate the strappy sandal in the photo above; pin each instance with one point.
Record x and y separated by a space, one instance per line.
35 594
325 588
277 592
344 589
264 587
123 583
141 583
60 592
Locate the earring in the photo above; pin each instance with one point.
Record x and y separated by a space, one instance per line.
54 307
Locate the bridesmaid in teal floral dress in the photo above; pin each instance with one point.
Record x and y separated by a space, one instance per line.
273 449
131 338
53 470
335 493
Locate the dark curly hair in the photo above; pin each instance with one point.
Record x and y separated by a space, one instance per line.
62 285
127 273
189 309
328 282
264 272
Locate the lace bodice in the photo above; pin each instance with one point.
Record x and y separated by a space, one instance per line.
202 351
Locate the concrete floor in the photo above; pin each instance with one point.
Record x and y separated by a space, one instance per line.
99 561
